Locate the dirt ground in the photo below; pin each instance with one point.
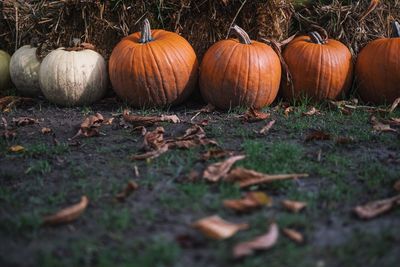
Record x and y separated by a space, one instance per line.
152 227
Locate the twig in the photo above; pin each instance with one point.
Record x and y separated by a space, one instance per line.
234 19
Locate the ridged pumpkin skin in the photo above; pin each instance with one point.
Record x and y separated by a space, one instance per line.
234 74
378 71
160 72
24 71
4 69
71 78
319 71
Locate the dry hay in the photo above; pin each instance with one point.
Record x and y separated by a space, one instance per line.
342 20
56 23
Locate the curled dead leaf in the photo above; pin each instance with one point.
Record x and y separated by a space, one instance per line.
215 154
194 136
151 154
288 110
263 242
68 214
394 105
264 130
90 126
252 200
214 172
379 126
129 189
293 235
216 228
294 206
16 149
317 135
138 120
375 208
247 178
253 115
45 130
8 102
311 112
154 139
22 121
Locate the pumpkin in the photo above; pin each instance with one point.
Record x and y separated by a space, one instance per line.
24 70
4 69
153 68
320 68
68 77
378 69
240 72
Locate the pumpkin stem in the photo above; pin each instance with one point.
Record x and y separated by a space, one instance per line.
316 38
396 29
241 34
146 32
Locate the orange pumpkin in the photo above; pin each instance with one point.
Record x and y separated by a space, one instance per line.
153 68
240 72
320 68
378 69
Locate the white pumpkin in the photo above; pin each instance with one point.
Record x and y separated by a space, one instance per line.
24 70
4 69
71 78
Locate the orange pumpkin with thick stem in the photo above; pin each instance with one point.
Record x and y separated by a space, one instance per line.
240 72
320 68
153 68
378 69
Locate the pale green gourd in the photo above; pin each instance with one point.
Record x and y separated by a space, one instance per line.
4 70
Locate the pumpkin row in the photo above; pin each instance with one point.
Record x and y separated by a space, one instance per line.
160 68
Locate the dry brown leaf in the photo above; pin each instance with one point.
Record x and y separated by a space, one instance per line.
68 214
8 102
317 135
262 242
216 228
194 136
247 178
396 186
215 154
252 200
22 121
375 208
109 121
90 126
293 235
138 120
45 130
372 6
379 126
129 189
294 206
264 130
394 121
394 105
154 140
208 109
288 110
311 112
151 154
214 172
253 115
16 149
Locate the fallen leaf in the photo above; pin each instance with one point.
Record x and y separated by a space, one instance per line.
294 206
216 171
247 178
215 154
394 121
252 200
151 154
372 6
379 126
45 130
311 112
344 140
264 130
90 126
293 235
253 115
263 242
194 136
208 109
216 228
375 208
16 148
396 186
6 133
109 121
154 139
394 105
8 102
138 120
22 121
317 135
288 110
68 214
129 189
